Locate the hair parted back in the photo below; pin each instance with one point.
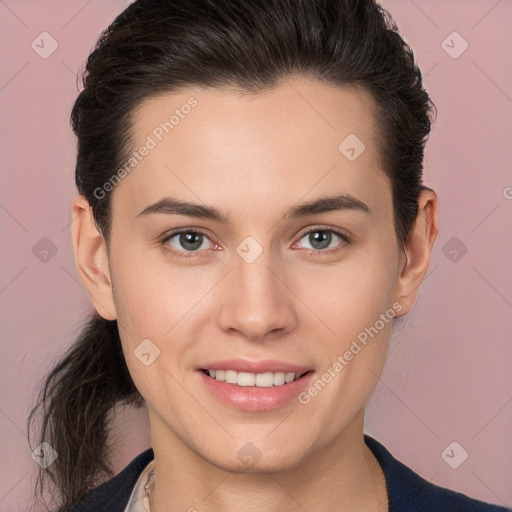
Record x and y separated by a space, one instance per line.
158 46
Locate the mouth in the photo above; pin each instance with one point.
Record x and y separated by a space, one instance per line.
254 386
259 380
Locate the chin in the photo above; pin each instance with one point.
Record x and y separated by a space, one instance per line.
250 460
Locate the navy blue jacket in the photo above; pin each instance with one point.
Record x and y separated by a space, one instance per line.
407 491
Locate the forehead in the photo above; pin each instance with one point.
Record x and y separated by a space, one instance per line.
228 149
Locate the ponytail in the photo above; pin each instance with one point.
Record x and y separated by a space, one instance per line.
75 401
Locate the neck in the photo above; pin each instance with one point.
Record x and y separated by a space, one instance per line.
341 475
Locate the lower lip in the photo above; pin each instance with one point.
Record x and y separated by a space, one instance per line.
252 398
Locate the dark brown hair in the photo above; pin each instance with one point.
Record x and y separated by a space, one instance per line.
158 46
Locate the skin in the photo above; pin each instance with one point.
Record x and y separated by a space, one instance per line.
253 157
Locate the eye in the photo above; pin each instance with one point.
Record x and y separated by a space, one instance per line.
321 238
186 241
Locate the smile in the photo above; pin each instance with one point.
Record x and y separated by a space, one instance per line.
260 380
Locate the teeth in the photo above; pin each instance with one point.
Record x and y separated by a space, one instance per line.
260 380
244 379
231 377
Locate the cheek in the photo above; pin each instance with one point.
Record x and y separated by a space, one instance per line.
149 310
159 303
358 309
143 294
359 289
356 305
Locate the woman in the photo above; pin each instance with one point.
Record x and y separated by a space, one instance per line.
217 140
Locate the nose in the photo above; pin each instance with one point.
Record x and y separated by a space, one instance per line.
255 301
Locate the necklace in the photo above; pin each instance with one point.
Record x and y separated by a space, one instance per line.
147 490
149 484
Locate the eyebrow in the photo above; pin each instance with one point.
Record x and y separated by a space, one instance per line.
174 206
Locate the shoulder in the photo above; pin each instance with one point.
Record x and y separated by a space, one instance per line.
113 495
408 491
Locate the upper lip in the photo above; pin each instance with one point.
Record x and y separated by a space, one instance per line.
244 365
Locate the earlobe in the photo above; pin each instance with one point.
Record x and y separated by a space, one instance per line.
417 250
91 259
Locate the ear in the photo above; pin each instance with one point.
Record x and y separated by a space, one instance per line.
417 249
91 259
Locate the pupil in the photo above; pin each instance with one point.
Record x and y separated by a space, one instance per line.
323 238
192 239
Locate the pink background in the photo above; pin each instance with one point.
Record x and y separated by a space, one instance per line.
448 374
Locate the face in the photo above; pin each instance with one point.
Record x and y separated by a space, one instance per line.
247 274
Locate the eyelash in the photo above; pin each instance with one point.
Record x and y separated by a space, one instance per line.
188 254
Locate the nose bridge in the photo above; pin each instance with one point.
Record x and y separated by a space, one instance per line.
255 301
